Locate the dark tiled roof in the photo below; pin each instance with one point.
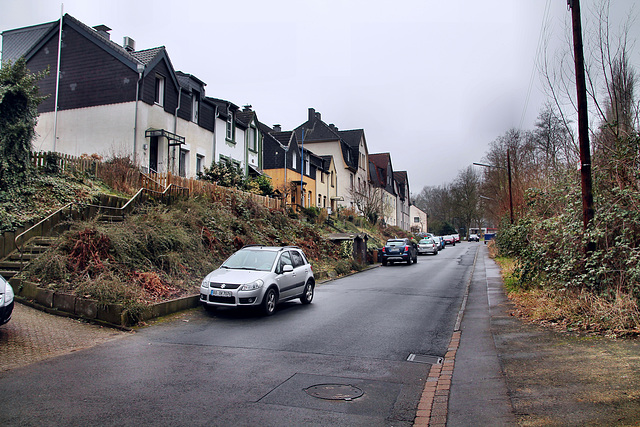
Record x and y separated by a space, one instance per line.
16 43
147 55
315 130
352 137
245 117
403 183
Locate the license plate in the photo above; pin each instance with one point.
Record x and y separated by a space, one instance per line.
394 251
217 293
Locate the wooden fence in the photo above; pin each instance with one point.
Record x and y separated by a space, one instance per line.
160 181
121 178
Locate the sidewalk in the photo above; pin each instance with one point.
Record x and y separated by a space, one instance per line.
508 372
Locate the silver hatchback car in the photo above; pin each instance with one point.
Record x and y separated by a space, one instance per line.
259 276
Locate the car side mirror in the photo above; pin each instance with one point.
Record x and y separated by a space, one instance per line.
287 268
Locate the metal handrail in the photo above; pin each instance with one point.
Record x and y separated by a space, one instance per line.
122 209
19 236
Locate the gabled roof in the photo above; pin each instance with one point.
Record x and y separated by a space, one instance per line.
315 130
190 82
352 137
382 168
16 43
246 117
403 183
28 41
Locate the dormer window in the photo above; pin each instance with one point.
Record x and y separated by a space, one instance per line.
230 126
159 90
195 102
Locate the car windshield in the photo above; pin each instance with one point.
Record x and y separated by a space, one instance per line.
251 260
396 243
426 241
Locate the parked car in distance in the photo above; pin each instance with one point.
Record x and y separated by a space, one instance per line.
456 237
474 238
261 277
449 240
427 246
6 301
439 241
399 250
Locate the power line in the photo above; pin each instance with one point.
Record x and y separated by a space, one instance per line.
545 19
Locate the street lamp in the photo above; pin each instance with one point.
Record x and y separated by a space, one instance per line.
509 174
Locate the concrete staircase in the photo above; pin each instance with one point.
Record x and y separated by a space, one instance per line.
15 262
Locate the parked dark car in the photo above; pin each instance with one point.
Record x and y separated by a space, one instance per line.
399 250
449 240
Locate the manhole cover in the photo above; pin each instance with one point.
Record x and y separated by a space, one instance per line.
334 391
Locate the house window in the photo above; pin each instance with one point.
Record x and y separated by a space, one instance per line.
195 102
199 163
294 161
159 91
324 201
332 180
252 139
230 126
351 180
183 163
416 219
306 171
319 200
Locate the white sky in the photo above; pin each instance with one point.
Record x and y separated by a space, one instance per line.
431 82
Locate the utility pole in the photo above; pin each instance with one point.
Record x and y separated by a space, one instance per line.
583 125
510 193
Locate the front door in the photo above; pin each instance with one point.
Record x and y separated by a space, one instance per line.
153 154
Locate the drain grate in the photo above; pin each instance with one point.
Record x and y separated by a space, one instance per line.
334 391
425 358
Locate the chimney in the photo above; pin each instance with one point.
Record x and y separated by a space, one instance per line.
318 116
277 128
103 30
333 127
246 108
129 44
312 114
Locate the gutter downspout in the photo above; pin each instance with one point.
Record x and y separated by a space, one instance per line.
140 68
302 170
55 114
216 114
175 131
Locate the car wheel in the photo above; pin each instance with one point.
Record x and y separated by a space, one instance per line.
409 260
415 260
269 302
384 263
307 295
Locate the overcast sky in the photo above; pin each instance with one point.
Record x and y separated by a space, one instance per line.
431 82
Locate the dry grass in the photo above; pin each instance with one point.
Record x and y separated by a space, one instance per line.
572 310
579 311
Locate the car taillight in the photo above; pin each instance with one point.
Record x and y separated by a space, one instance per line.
384 250
406 248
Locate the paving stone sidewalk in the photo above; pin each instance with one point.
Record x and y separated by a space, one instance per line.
33 335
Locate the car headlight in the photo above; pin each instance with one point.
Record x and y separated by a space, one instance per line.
252 286
205 283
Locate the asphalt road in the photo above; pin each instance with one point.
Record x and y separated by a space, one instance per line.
238 368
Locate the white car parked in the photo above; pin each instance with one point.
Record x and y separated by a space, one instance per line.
6 301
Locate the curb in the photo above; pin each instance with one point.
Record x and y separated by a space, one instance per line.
433 408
